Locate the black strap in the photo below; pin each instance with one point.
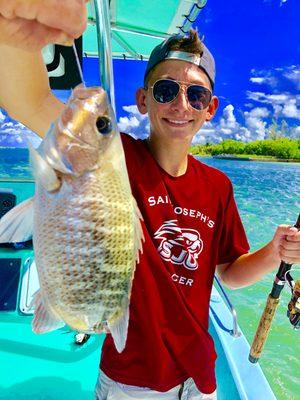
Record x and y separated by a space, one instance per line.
71 76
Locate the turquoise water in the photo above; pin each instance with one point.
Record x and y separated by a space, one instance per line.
14 163
267 194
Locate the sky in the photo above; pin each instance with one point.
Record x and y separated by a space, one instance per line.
256 45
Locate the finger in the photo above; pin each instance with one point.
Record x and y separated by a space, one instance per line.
288 229
74 20
69 16
290 247
295 236
29 35
7 9
283 231
290 259
290 255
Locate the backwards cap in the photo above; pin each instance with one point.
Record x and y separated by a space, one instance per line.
162 52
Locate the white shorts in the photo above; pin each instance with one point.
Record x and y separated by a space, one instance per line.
107 389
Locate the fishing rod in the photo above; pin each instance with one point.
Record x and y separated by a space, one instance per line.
283 275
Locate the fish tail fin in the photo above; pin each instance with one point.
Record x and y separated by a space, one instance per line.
44 320
119 329
17 224
138 231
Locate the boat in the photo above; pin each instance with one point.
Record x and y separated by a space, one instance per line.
63 365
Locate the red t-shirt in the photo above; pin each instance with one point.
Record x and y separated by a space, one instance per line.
191 224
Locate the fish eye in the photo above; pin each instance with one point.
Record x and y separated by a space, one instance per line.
104 125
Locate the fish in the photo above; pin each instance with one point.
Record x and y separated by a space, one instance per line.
86 226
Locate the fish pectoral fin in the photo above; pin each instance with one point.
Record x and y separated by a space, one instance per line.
43 172
44 320
17 224
119 329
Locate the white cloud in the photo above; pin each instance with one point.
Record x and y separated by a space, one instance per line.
259 112
257 80
126 123
297 131
14 134
290 109
2 117
293 74
132 109
228 121
255 124
229 128
281 2
136 124
266 77
284 105
279 78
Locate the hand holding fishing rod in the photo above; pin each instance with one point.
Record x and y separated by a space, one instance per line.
272 302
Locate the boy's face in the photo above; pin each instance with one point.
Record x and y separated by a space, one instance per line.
177 120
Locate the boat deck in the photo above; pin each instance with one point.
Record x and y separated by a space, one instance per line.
53 367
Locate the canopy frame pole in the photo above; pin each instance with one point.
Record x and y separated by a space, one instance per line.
104 48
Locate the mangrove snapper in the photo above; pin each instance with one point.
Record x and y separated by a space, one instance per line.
86 225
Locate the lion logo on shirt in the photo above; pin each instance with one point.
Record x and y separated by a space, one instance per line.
180 246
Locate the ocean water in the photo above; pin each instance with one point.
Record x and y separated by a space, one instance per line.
267 194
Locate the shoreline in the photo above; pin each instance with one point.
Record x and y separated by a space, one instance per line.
233 157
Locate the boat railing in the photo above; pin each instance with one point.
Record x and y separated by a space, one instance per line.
235 331
12 179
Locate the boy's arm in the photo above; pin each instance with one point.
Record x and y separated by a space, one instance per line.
24 89
27 26
250 268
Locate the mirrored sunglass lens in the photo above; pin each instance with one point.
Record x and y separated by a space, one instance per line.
165 91
199 97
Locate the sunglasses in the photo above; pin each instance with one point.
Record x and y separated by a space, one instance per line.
166 90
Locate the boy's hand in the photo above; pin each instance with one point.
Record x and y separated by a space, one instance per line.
32 24
286 243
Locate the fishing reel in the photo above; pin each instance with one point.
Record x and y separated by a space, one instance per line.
293 311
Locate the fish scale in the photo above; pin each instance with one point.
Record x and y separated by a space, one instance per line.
110 246
87 231
86 225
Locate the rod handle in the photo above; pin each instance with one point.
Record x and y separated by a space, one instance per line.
263 329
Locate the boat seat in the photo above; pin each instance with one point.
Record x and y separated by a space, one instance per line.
7 201
18 246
